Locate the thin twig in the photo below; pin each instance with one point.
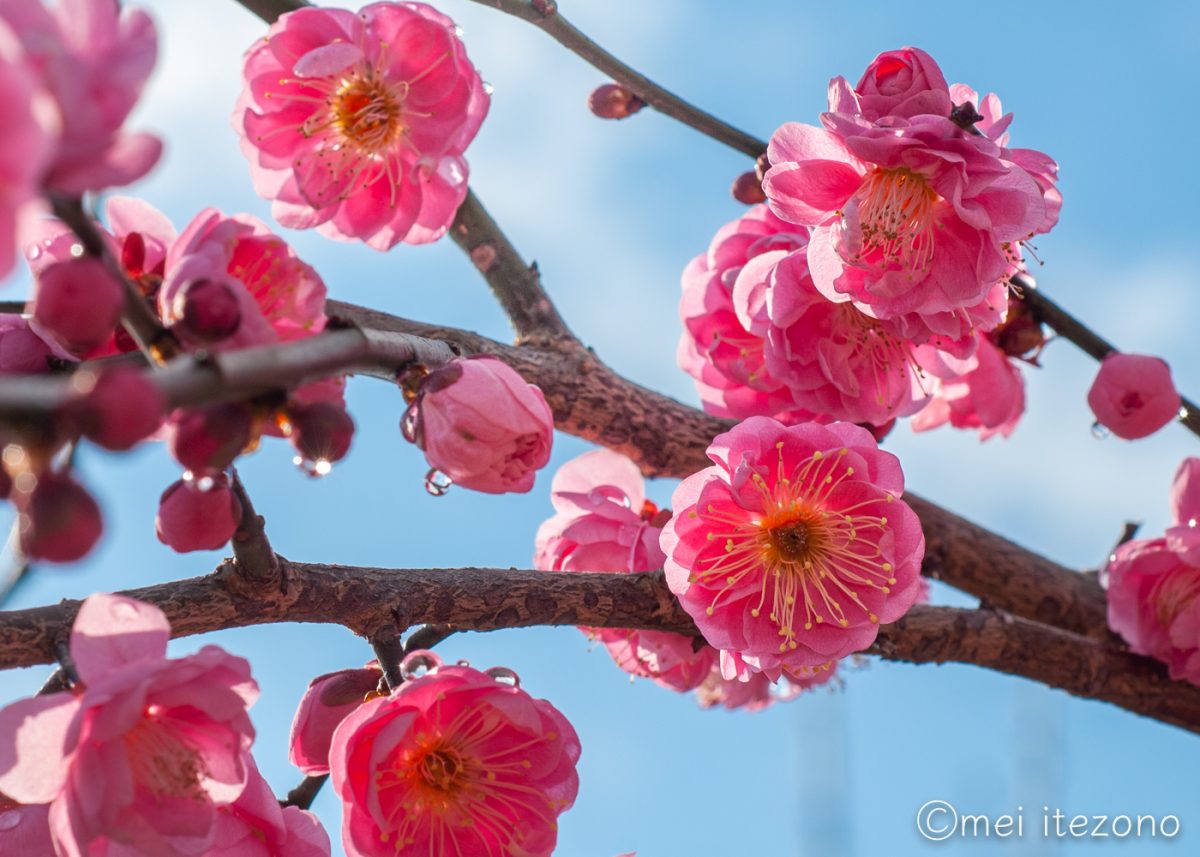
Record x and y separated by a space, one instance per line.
252 550
389 651
303 795
545 15
426 637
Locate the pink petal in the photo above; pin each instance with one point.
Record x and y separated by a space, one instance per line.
34 758
112 631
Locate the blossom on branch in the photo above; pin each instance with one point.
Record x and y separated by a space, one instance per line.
453 762
1133 395
985 393
794 547
142 754
481 425
325 704
357 123
604 522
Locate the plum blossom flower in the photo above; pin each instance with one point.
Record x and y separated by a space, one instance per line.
1154 584
256 826
906 82
794 547
30 121
455 762
325 704
716 349
604 522
1133 395
986 392
913 218
357 123
481 425
757 691
94 58
144 753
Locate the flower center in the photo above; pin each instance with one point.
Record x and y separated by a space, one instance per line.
896 219
367 112
1175 593
162 762
791 541
441 769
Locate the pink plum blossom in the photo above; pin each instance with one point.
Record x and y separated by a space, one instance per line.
1133 395
794 547
30 120
325 704
757 691
482 425
22 350
453 762
357 123
94 58
256 826
604 522
985 393
914 219
141 754
723 357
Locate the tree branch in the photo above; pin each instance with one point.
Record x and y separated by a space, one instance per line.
545 15
376 603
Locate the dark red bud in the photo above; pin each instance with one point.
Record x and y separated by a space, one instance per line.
613 101
119 408
208 311
321 431
79 303
133 254
200 514
747 189
206 440
60 522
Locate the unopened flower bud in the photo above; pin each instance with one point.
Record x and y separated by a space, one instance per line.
206 440
120 407
208 311
78 303
200 514
613 101
60 522
1133 395
321 431
747 189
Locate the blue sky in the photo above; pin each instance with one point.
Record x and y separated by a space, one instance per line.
612 212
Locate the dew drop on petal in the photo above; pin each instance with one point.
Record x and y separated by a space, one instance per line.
437 483
204 483
9 819
458 31
1099 432
504 675
462 662
316 469
33 253
408 425
488 88
76 250
418 663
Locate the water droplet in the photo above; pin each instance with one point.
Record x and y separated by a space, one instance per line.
316 469
488 88
504 675
1183 413
76 250
408 425
34 252
418 663
458 31
437 483
451 170
1099 432
10 819
462 662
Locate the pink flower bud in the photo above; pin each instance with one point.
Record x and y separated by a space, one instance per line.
747 189
1133 395
199 514
206 440
326 703
905 82
321 431
482 425
60 522
208 311
120 408
22 351
613 101
78 303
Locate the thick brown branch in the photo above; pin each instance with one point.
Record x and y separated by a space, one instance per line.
545 14
516 285
380 603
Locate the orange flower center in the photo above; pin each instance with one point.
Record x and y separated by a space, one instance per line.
366 111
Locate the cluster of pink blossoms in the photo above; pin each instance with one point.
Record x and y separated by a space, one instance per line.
147 756
1154 584
604 522
873 282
